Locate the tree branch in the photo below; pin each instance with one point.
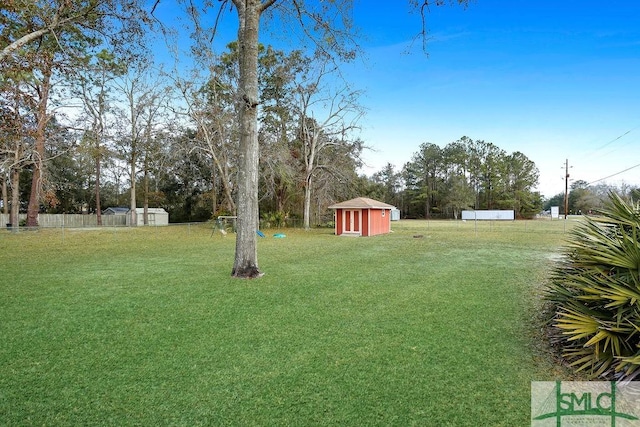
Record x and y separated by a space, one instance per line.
23 41
267 4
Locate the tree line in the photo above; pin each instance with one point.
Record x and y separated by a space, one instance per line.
89 121
584 198
465 174
144 137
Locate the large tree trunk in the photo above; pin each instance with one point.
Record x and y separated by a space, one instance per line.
42 118
132 199
14 218
145 204
98 207
246 256
5 197
310 161
307 203
214 194
33 207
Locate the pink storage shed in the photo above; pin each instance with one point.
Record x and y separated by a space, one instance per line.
362 217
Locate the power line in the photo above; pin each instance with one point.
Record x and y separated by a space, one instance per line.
609 143
611 176
617 138
597 151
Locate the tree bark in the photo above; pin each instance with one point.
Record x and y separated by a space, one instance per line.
132 199
42 119
7 50
310 159
145 205
98 207
246 256
14 218
15 199
5 198
307 203
214 193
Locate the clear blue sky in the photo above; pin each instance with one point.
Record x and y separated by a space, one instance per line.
553 79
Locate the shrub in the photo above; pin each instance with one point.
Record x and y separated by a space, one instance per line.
595 291
276 219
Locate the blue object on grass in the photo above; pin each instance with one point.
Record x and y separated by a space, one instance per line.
279 235
260 233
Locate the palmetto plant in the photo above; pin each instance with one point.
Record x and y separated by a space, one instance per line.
595 290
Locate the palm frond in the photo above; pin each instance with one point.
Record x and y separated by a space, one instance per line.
596 291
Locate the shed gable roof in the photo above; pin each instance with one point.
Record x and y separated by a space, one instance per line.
116 210
361 203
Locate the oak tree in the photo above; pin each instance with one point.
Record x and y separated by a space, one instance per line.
329 26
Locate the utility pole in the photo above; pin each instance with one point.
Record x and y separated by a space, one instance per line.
566 188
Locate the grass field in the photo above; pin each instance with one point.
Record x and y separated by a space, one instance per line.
146 327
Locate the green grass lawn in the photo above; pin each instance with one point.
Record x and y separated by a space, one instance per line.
146 327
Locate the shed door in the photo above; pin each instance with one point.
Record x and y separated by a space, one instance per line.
351 221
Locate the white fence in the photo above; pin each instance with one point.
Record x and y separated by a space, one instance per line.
503 215
71 220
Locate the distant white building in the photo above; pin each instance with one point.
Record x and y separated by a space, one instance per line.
155 216
500 215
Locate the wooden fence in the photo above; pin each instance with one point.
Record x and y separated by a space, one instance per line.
71 220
